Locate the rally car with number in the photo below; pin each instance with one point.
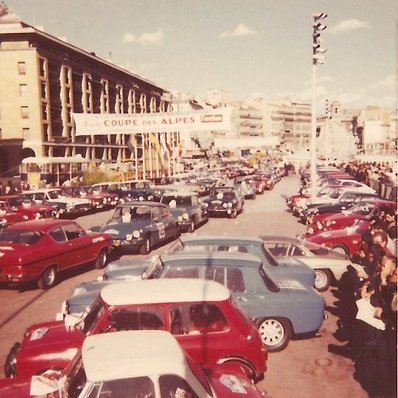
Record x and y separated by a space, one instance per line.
186 208
225 201
148 363
38 250
200 314
138 226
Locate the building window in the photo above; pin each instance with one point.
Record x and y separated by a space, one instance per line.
24 112
22 68
26 133
23 90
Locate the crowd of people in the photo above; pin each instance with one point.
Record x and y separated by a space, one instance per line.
367 306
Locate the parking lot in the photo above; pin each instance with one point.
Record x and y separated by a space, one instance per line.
306 368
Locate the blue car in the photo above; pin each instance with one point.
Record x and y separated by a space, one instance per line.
281 310
286 268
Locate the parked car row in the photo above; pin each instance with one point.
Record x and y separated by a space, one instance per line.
340 214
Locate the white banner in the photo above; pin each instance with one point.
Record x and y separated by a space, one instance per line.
102 124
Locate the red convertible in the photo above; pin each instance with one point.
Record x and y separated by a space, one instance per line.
38 250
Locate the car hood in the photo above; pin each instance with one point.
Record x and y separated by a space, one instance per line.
52 334
122 228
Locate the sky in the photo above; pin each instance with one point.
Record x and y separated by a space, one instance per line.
245 48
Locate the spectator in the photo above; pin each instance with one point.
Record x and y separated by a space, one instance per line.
10 189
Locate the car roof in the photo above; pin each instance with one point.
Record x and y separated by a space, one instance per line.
141 203
40 225
180 193
280 238
163 291
207 257
230 239
124 354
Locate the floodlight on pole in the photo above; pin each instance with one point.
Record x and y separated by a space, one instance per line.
318 57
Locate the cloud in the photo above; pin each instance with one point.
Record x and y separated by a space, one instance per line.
240 30
155 38
348 25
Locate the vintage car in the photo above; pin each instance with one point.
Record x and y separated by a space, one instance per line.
85 293
139 226
284 269
69 206
225 201
9 216
129 190
346 241
246 185
186 208
329 265
26 209
338 219
281 310
200 314
38 250
99 200
148 363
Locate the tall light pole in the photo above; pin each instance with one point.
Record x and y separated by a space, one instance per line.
317 58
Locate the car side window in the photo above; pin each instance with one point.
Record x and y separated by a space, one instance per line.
277 249
58 234
145 318
73 231
296 251
196 318
173 386
182 272
230 277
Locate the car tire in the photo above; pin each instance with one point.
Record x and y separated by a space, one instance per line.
101 260
323 279
48 278
9 367
192 226
341 249
275 333
234 213
146 247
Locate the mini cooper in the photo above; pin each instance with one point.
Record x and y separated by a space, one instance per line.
226 201
140 364
201 314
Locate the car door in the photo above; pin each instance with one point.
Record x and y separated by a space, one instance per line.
81 247
168 222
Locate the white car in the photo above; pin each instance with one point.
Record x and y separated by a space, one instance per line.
71 205
329 265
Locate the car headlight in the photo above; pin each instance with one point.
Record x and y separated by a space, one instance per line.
25 217
129 237
141 198
185 216
38 334
136 234
179 218
104 200
229 204
224 205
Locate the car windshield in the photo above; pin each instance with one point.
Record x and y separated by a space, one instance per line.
223 194
92 316
176 200
20 237
55 194
19 201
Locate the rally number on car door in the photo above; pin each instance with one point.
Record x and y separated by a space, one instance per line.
161 230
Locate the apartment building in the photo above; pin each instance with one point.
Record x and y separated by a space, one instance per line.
44 79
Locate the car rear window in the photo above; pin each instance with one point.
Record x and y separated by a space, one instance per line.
20 237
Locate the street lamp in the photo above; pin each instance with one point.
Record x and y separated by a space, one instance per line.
317 58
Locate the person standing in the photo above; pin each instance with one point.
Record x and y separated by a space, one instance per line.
10 189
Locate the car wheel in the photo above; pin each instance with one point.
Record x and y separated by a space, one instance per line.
234 213
11 360
341 249
191 227
275 333
323 279
48 278
101 260
147 246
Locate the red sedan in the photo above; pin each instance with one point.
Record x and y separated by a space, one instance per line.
38 250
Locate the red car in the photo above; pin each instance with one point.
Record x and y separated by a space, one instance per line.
7 216
134 364
200 314
346 218
38 250
27 209
347 240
